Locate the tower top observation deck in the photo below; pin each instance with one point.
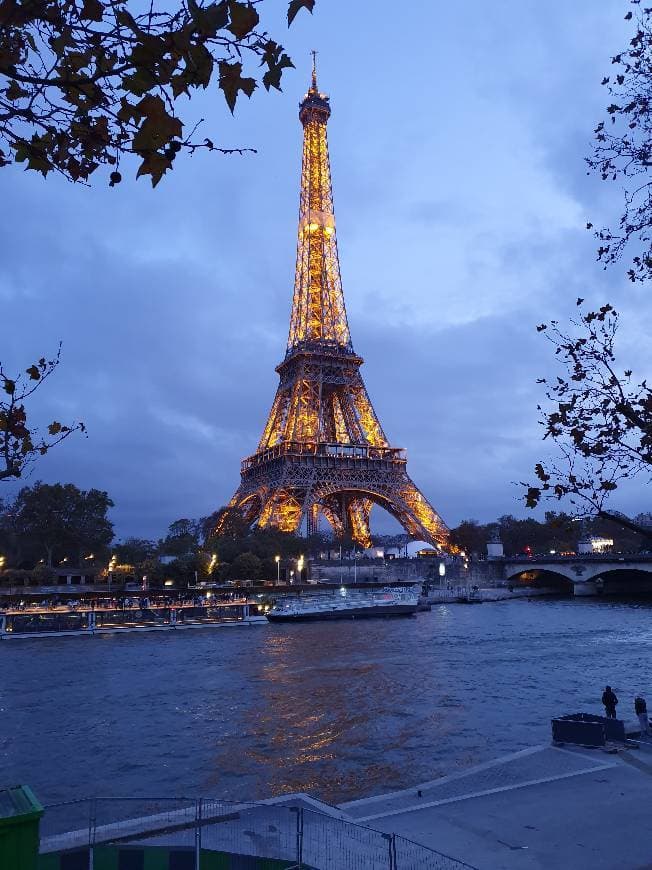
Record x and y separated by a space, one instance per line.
314 106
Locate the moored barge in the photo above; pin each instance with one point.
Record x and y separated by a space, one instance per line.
347 603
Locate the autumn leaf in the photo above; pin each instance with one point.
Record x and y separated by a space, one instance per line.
231 82
296 5
155 165
54 428
33 373
157 128
243 18
540 472
9 386
272 77
532 497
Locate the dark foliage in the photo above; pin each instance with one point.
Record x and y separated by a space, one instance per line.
85 83
623 149
20 443
599 418
559 532
60 520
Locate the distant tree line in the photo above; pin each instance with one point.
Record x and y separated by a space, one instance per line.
52 525
49 525
559 532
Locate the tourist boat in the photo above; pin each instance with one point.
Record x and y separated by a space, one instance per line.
346 603
139 614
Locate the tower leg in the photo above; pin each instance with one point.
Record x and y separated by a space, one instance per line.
333 518
312 519
282 510
358 512
243 508
418 517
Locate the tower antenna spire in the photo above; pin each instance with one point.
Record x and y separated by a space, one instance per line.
314 69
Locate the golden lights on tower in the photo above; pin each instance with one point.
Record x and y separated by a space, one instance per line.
323 450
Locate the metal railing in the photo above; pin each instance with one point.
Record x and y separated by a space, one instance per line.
301 836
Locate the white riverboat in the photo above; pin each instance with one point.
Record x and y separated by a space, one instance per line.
346 603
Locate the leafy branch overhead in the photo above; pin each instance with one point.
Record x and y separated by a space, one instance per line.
599 418
20 444
84 83
623 150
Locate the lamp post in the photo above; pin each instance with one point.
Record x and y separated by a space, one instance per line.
111 567
277 559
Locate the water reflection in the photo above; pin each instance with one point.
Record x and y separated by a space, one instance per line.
336 709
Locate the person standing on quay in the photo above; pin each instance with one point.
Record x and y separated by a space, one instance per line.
640 708
609 700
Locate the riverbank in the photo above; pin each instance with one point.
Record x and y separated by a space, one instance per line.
460 594
541 808
544 807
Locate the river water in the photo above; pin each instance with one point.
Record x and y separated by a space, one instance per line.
341 710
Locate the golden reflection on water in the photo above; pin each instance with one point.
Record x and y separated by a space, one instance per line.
309 706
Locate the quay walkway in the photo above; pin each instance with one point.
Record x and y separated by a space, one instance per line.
545 807
536 809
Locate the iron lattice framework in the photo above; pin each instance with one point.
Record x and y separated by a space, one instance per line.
323 450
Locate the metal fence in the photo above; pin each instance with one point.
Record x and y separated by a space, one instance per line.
301 836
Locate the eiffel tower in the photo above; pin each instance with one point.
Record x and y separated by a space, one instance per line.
323 450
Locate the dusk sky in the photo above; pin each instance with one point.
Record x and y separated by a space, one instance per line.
457 141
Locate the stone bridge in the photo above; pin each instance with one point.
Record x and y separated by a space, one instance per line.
585 574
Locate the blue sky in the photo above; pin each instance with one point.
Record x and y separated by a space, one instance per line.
457 141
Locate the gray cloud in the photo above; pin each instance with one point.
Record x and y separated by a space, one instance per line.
461 197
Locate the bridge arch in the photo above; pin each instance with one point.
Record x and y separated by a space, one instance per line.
538 578
619 581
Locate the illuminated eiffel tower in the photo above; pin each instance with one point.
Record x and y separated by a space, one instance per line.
323 450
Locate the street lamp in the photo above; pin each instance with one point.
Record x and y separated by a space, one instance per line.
277 559
299 567
111 567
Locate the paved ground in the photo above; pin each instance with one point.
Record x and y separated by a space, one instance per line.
543 808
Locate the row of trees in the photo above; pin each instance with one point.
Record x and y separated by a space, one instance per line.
47 524
558 531
239 554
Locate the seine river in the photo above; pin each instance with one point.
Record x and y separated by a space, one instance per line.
340 710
